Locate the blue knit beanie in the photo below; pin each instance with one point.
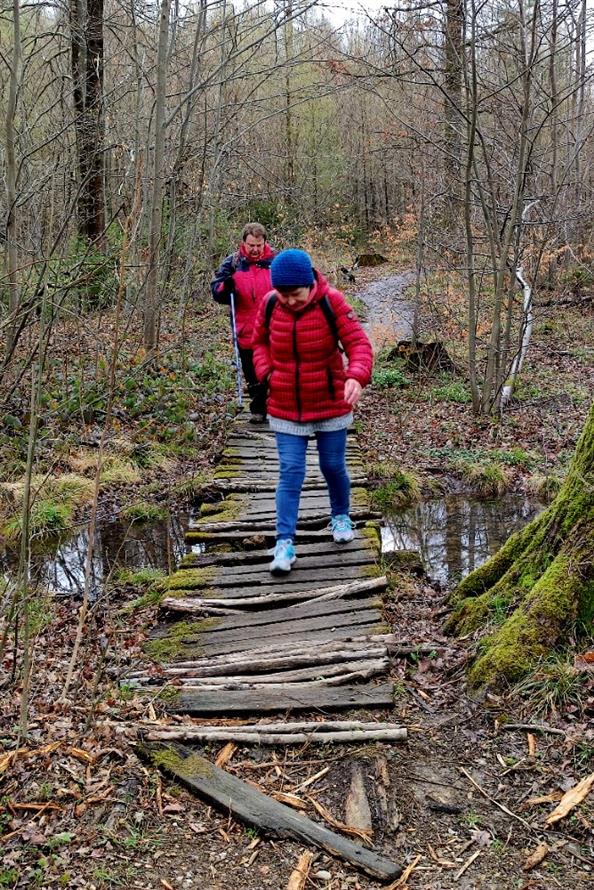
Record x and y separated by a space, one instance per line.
292 268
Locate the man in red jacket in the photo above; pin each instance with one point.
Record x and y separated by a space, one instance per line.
310 391
246 274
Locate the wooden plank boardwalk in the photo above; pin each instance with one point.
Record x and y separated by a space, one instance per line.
236 640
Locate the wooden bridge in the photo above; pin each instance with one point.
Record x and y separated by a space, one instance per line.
237 641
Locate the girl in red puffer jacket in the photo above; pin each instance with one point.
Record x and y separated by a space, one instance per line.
310 391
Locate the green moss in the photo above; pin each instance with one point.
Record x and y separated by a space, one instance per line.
359 497
190 579
192 767
176 640
399 489
142 511
227 472
489 479
532 629
372 571
119 471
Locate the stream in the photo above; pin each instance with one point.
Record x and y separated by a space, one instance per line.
453 534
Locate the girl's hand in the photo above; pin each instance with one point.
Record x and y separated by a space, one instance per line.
352 391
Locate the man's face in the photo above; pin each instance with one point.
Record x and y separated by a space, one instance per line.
254 245
294 296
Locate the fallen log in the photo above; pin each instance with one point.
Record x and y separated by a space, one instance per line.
185 604
362 672
232 795
247 664
267 737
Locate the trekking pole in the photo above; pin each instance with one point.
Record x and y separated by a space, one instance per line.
236 352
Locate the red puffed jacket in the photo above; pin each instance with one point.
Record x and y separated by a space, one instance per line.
296 351
249 280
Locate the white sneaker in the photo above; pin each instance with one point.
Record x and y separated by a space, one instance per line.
342 529
284 557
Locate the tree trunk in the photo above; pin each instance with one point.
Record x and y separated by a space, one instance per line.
454 42
541 582
156 214
86 39
11 178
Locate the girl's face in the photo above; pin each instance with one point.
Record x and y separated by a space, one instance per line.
294 297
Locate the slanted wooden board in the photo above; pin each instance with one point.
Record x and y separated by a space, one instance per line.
332 557
232 795
201 648
313 609
224 576
297 697
243 558
264 536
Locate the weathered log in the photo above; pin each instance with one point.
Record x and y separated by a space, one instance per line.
249 804
333 592
296 676
393 734
282 727
350 672
248 664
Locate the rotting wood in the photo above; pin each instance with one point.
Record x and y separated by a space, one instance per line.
251 805
362 671
186 579
253 662
250 526
347 557
294 595
301 697
285 727
307 609
265 536
295 676
316 637
302 628
253 557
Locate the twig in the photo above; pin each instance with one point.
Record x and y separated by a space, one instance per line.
467 864
533 727
496 802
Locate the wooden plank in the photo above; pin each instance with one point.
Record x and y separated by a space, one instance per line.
285 593
334 557
302 698
268 536
306 552
232 795
251 526
227 577
294 613
200 648
244 633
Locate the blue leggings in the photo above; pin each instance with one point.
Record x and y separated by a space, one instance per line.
291 454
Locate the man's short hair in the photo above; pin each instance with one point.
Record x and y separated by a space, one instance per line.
255 229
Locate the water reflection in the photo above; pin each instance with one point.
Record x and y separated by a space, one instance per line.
456 534
158 545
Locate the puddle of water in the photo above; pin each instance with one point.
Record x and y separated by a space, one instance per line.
158 545
390 316
456 534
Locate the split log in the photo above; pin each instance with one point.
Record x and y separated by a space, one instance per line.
232 795
253 663
295 676
266 599
360 671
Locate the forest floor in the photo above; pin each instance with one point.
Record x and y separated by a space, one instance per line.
463 801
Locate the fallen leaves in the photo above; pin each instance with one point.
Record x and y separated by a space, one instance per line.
536 857
299 875
571 799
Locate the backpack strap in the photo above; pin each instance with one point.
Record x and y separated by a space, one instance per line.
324 305
271 303
330 317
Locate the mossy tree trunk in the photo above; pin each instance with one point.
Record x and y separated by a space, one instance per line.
537 592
